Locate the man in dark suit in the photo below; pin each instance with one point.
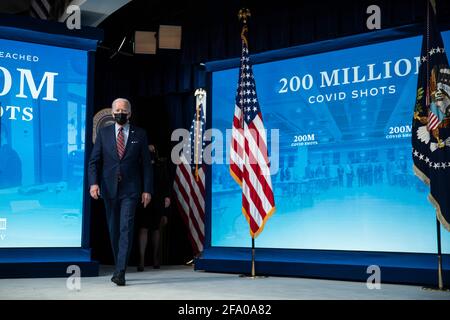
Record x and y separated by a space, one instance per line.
120 172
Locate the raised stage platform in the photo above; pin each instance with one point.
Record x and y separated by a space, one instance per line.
45 262
404 268
183 283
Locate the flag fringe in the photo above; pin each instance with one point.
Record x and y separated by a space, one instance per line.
439 215
268 215
432 200
422 176
235 177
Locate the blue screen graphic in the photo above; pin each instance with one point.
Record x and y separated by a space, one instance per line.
342 171
43 117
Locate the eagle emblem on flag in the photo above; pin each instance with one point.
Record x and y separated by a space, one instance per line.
438 114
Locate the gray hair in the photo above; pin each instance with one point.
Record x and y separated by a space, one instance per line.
123 100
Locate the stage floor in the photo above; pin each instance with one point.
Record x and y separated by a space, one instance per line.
183 283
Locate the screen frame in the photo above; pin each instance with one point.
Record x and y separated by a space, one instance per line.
43 32
348 42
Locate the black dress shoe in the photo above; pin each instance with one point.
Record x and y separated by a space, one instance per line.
156 267
140 268
119 279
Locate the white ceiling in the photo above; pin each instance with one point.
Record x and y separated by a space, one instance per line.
93 12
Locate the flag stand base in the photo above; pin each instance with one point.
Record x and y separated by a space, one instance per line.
436 289
252 274
251 277
190 263
440 280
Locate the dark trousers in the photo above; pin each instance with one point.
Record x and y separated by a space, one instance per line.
120 214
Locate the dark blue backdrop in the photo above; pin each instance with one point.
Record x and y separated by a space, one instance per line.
161 86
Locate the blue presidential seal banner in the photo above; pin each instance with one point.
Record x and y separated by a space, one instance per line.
431 123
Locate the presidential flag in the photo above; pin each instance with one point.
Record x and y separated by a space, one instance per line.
189 183
431 121
249 163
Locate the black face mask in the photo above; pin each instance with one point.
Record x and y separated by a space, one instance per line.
121 118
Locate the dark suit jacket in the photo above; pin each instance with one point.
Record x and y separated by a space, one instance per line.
135 167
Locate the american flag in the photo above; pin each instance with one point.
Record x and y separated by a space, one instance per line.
249 162
189 184
40 9
433 119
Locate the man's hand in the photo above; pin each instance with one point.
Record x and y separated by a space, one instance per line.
146 198
95 191
166 202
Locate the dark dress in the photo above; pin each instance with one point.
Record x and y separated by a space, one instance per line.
150 217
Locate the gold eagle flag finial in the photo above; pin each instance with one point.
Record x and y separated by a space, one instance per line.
200 96
200 92
244 14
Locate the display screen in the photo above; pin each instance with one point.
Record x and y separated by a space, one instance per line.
339 138
43 117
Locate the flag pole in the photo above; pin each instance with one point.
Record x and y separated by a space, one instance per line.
440 279
440 286
253 258
243 16
253 272
438 223
427 102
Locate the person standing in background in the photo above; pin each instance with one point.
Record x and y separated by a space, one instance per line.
155 216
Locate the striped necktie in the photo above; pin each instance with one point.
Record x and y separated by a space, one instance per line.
120 143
